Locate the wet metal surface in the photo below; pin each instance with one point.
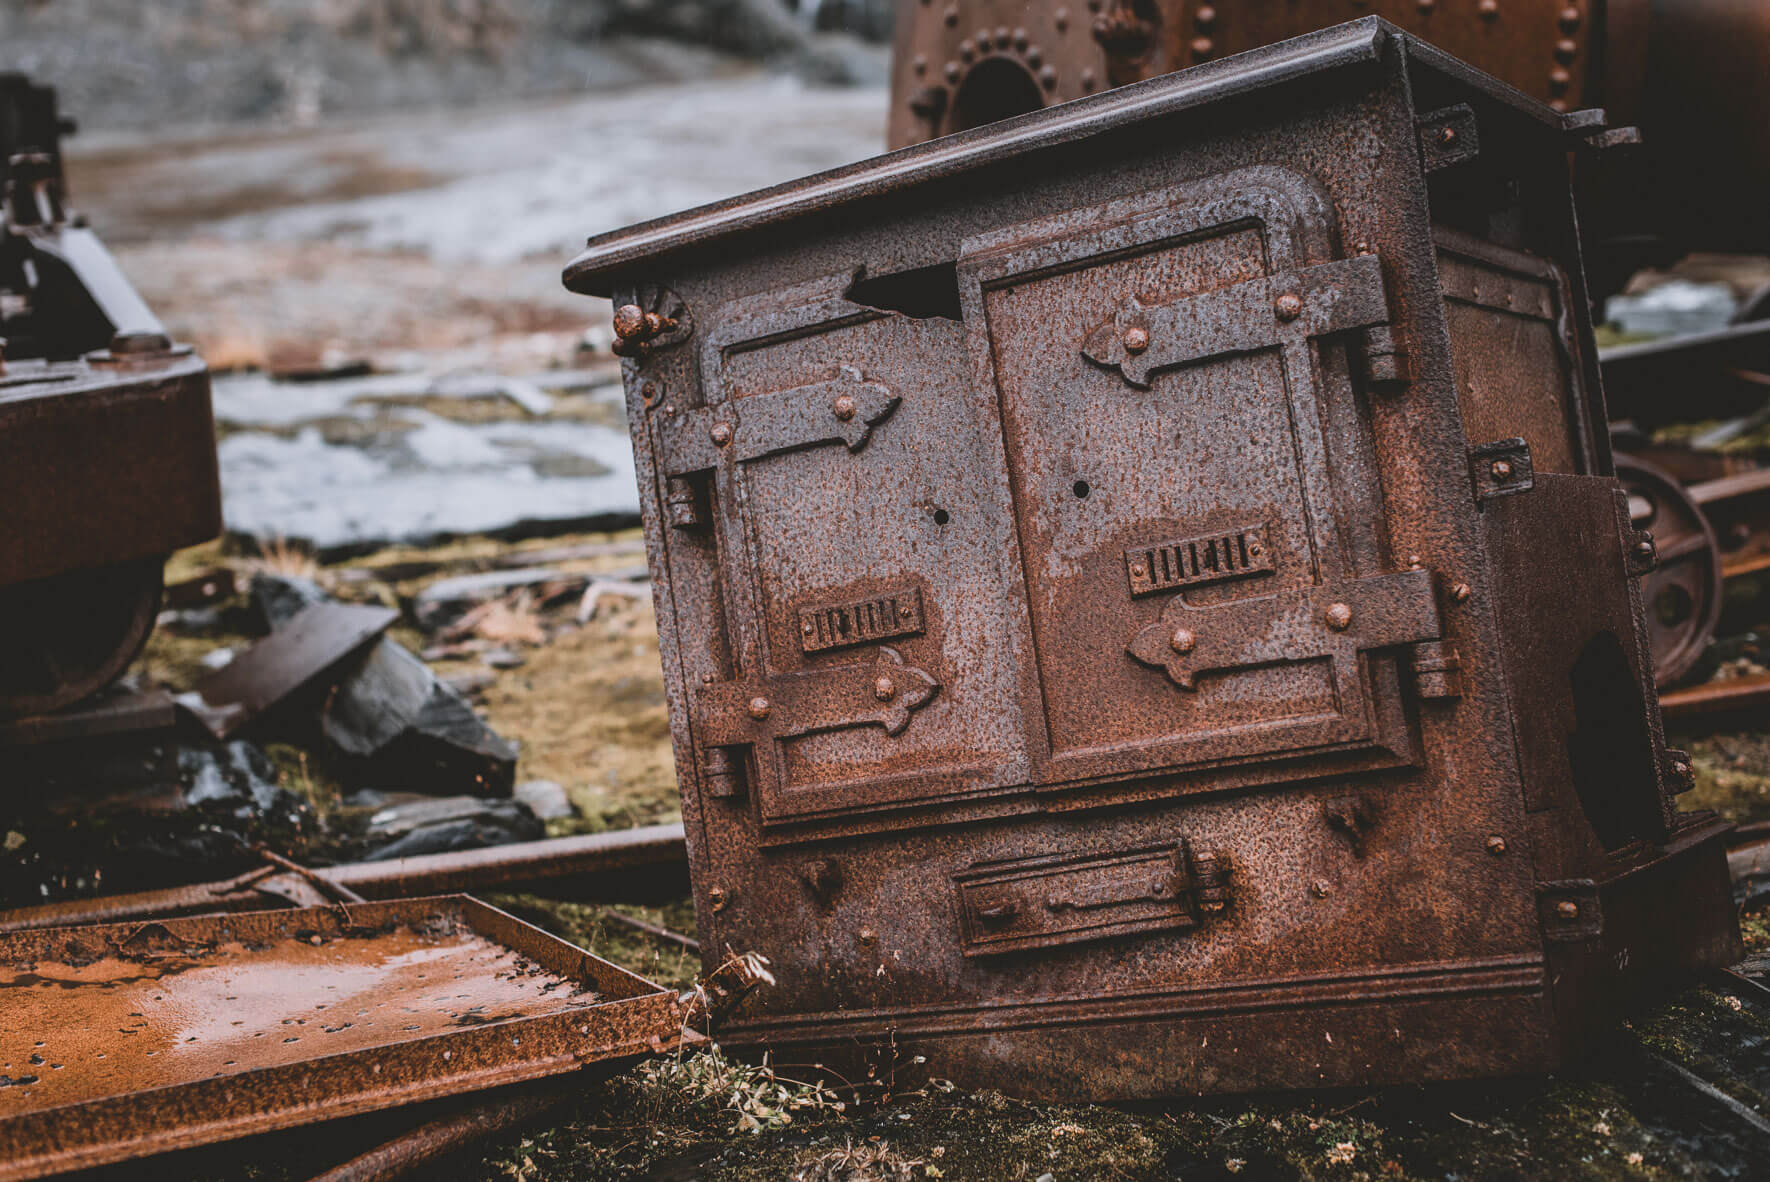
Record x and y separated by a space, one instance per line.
120 1041
1142 619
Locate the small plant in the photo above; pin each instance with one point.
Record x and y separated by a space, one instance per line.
761 1099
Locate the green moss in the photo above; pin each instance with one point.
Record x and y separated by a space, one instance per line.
1732 776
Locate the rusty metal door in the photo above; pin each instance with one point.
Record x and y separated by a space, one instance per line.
865 558
1181 442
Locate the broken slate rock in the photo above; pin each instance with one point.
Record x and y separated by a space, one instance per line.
277 599
544 798
439 825
403 728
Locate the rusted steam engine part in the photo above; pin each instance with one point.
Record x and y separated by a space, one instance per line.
1693 75
107 445
1138 636
1682 592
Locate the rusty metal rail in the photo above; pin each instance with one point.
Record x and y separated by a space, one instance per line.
652 858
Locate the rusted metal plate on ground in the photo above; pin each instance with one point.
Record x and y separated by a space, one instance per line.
1241 681
312 642
125 1040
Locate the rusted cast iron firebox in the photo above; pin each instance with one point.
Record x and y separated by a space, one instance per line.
1144 599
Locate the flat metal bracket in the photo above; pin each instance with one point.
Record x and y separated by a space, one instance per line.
1337 621
1448 136
1328 298
1569 910
842 410
882 691
1501 468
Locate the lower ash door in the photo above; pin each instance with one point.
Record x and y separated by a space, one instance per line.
1198 592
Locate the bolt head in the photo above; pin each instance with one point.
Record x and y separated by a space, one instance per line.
1138 570
1460 592
1136 339
808 627
1338 616
1320 888
720 434
843 407
1496 844
1567 909
884 689
1447 136
1288 306
1501 469
629 320
716 896
1182 641
759 708
868 936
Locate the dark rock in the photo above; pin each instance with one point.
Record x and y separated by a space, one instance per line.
504 658
276 599
401 726
438 825
447 600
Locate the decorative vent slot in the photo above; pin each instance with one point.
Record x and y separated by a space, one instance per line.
1189 562
861 621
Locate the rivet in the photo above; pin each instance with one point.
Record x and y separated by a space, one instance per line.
706 679
953 72
843 407
648 391
1202 46
1559 79
669 410
965 51
629 320
1338 616
1460 592
868 936
1447 136
1136 339
1489 9
1021 38
1501 469
1087 79
884 689
1183 641
1204 18
1094 5
1060 19
1138 570
1645 547
759 708
920 65
982 37
1034 56
1004 36
904 611
1320 889
951 16
1566 49
1426 5
716 896
1569 19
1413 562
720 434
1496 844
1567 909
1288 306
1048 77
808 627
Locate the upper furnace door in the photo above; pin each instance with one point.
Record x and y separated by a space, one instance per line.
1196 504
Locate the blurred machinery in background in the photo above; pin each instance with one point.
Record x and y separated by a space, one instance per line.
1693 76
107 440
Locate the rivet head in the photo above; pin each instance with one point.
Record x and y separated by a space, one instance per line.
1645 546
1138 570
1183 641
808 627
716 896
1567 909
1460 592
1447 136
1489 9
920 65
1202 46
1559 79
720 434
1569 19
1048 77
953 72
904 611
884 689
1004 35
1087 79
1060 19
1566 49
1320 888
1288 306
843 407
1021 39
1034 56
629 320
1136 339
868 936
966 53
759 708
1496 844
1338 616
1501 469
1204 18
950 17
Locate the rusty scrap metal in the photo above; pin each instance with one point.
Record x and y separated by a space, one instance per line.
1718 705
107 440
1693 75
1132 636
1682 592
119 711
651 859
128 1040
445 1136
315 640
